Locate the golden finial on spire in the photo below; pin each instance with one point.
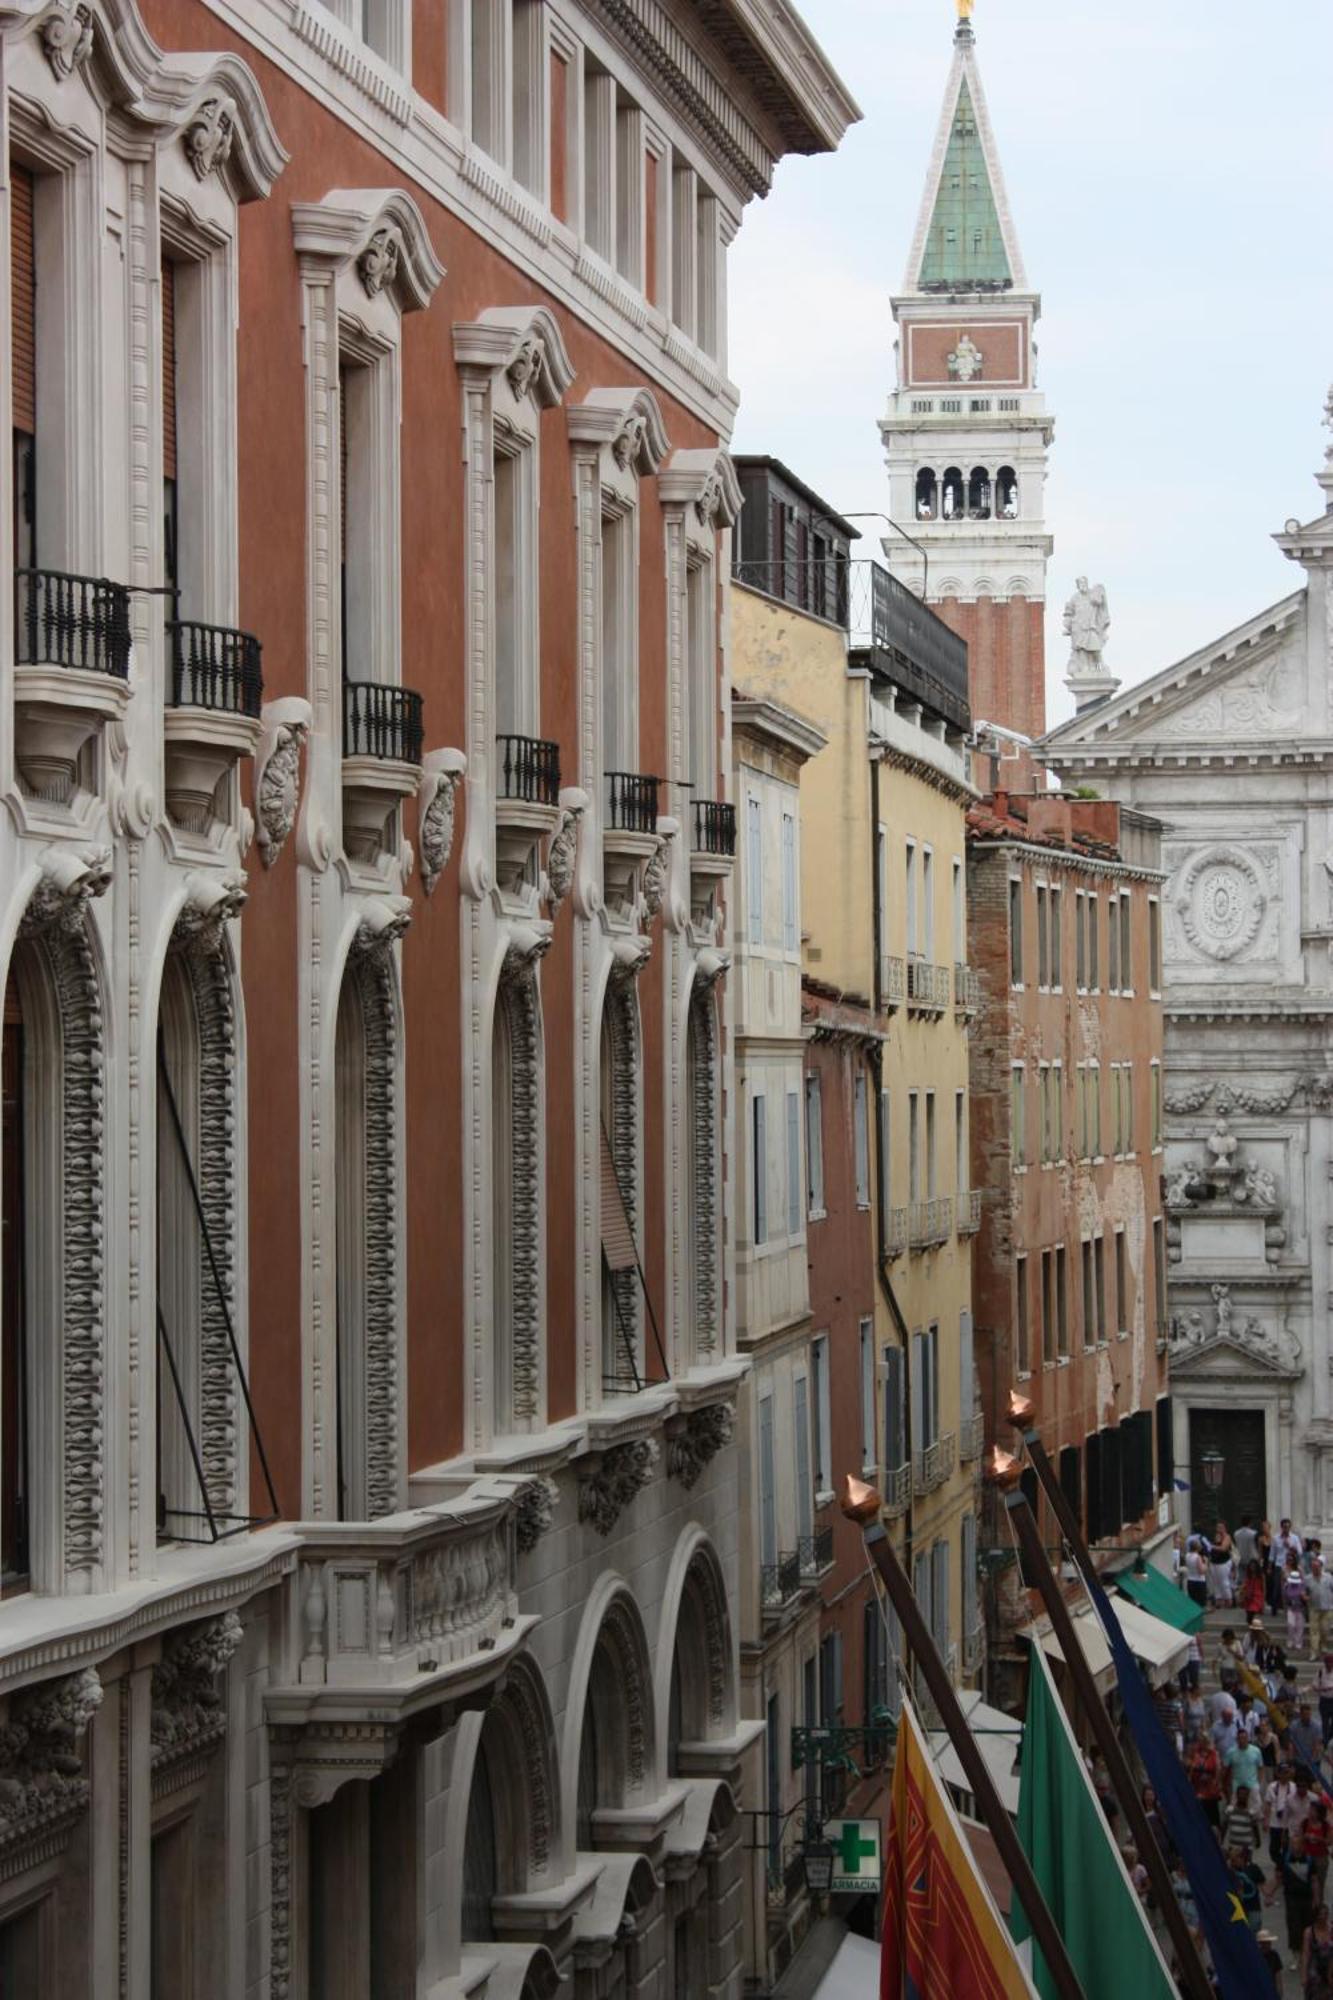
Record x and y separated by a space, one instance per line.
965 10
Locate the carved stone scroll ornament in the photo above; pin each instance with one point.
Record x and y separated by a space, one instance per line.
657 875
286 725
628 441
709 502
701 1435
562 855
608 1487
189 1713
436 804
71 878
42 1784
384 923
377 266
527 364
534 1510
67 38
208 136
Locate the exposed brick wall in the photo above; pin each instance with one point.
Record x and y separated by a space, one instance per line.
1006 651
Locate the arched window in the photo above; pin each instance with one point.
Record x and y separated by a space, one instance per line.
1006 493
366 1204
951 504
481 1869
927 494
52 1331
702 1168
979 494
622 1311
516 1196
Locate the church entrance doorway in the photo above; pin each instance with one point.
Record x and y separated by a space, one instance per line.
1227 1473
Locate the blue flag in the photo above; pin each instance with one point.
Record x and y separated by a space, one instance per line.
1237 1967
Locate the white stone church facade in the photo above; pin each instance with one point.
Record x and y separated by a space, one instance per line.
1232 748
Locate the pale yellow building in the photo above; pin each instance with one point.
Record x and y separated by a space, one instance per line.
883 916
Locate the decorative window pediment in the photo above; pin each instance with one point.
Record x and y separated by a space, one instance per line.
524 345
380 232
216 106
627 423
703 482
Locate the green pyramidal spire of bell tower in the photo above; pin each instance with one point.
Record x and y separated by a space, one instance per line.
965 246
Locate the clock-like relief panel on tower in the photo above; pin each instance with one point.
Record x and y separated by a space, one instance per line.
1229 908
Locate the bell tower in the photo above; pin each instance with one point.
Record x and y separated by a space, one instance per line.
967 432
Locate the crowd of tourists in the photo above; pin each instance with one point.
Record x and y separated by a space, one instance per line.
1255 1743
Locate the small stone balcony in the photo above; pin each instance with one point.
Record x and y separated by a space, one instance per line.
971 1437
215 691
968 1204
527 805
71 676
630 837
930 1222
933 1466
928 986
966 992
382 750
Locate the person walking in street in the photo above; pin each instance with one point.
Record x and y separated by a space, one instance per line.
1307 1739
1241 1826
1321 1607
1323 1687
1294 1879
1246 1539
1294 1596
1196 1571
1252 1590
1317 1954
1221 1568
1203 1768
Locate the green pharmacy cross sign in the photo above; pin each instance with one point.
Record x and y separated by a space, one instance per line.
856 1854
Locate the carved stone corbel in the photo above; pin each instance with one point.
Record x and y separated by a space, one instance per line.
527 944
211 903
383 924
442 772
67 39
43 1789
562 853
286 725
71 878
696 1438
709 967
534 1510
607 1487
189 1712
657 874
629 955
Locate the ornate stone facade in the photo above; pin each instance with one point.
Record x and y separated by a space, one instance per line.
1248 917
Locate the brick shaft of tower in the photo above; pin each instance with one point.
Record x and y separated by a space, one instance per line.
967 433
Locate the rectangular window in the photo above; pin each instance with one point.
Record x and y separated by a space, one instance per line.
1127 1073
1155 1086
1061 1302
931 1156
768 1503
967 1379
1081 1111
1015 931
790 900
1099 1269
1080 942
1022 1351
927 903
1057 954
629 190
1126 950
939 1591
895 1413
706 272
1047 1307
1095 1077
821 1418
1017 1117
805 1488
861 1141
960 1177
971 1621
959 916
1089 1300
1112 947
560 147
684 244
1121 1284
1058 1110
1159 1274
914 1145
1154 945
885 1157
1043 939
526 95
1044 1105
872 1628
882 908
754 867
759 1166
867 1394
1094 966
599 159
909 904
793 1163
814 1142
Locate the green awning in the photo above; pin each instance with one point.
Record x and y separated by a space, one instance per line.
1157 1594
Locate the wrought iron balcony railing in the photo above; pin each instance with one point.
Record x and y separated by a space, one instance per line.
780 1581
897 1490
927 985
892 981
966 990
815 1551
216 667
714 827
80 622
969 1211
631 802
382 721
528 768
931 1467
896 1231
930 1221
971 1437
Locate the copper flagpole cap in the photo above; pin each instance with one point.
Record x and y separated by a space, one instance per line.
1002 1469
860 1502
1019 1410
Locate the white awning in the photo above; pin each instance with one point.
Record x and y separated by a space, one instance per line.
854 1973
999 1737
1156 1644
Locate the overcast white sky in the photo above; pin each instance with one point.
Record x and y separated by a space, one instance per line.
1168 164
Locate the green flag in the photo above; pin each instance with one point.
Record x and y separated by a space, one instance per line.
1078 1868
